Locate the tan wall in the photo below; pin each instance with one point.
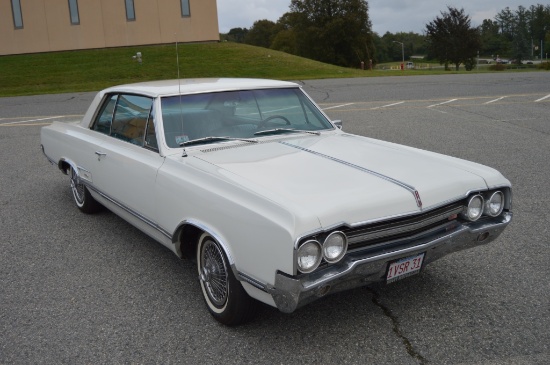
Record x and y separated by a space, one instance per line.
47 26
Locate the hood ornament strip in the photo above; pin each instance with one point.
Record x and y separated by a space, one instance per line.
410 188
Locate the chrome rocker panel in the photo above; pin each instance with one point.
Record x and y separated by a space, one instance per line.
367 267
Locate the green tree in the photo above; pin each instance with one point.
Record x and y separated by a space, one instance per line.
261 33
520 42
520 32
236 35
539 26
333 31
285 39
451 38
490 38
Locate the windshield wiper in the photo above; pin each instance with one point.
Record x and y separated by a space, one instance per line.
213 139
277 130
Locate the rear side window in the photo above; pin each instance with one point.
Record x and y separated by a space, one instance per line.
105 117
128 118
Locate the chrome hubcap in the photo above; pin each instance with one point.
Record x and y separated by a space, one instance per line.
213 273
77 187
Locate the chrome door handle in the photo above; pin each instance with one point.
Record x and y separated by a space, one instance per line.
99 154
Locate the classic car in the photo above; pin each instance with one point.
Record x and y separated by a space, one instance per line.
274 201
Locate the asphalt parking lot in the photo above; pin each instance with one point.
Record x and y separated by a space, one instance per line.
92 289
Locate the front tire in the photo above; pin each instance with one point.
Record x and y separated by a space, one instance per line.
82 197
224 295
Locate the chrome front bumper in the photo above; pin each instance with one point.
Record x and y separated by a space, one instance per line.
369 266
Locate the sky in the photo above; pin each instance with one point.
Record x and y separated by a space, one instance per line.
386 15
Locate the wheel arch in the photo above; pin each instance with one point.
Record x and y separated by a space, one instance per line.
64 164
187 235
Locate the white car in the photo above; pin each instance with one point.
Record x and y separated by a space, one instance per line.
274 201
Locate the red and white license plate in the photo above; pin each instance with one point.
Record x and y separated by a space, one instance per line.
404 267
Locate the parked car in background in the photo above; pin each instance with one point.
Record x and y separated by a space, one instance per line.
271 198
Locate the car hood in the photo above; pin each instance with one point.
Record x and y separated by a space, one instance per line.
342 178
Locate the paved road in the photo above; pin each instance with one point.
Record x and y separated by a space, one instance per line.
92 289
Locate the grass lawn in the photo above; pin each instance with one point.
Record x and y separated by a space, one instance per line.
92 70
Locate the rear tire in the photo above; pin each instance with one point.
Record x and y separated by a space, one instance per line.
224 295
82 197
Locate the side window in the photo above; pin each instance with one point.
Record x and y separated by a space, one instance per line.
150 134
130 118
105 116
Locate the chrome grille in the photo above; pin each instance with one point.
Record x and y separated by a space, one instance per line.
388 231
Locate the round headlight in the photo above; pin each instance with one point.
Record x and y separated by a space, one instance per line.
309 256
475 208
335 247
495 204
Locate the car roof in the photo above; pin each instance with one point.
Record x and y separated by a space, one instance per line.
193 86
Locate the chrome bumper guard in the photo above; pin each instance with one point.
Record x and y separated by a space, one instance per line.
370 265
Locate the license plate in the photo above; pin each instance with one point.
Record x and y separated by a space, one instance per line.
404 267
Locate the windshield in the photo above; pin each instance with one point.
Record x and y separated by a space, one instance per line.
238 114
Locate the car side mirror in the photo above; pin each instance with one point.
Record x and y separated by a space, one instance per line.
337 123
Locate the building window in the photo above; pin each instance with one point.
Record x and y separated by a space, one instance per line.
73 11
130 11
185 10
17 15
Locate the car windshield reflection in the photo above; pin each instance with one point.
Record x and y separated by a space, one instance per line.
230 115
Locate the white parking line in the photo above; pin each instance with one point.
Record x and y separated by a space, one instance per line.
492 101
445 102
338 106
385 106
541 99
32 120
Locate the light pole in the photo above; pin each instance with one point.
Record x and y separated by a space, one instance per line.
402 53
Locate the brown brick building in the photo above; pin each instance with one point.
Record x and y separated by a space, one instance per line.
30 26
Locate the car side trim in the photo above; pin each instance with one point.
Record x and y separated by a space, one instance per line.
255 283
129 210
408 187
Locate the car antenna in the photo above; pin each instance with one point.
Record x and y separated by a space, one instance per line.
184 154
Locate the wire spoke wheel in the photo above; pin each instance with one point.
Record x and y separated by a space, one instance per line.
213 273
225 297
82 197
77 188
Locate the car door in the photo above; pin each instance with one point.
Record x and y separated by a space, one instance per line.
128 158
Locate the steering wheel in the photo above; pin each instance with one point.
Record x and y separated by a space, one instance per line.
264 122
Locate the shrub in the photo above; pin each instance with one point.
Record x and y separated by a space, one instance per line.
544 66
469 64
497 67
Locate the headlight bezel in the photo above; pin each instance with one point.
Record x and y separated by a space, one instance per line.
470 207
501 197
343 252
318 259
488 208
322 241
